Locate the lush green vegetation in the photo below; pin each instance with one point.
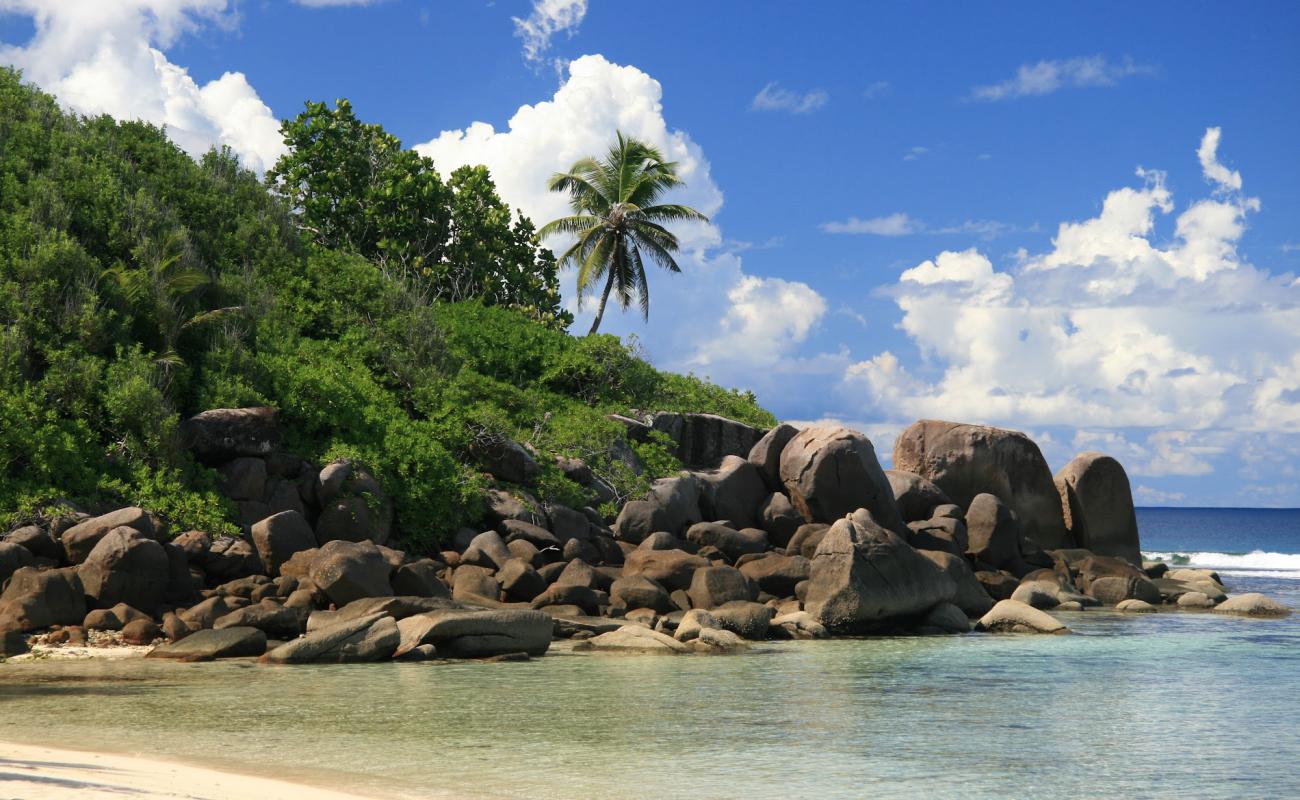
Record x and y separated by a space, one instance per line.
616 217
390 316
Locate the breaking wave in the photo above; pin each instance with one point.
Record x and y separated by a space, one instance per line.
1259 562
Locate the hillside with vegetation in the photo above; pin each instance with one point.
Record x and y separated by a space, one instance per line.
393 317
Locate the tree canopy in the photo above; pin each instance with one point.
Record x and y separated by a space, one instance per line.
618 221
139 286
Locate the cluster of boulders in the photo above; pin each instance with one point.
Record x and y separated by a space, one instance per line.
801 535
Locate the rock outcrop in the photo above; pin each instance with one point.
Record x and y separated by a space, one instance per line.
830 471
1097 502
865 577
967 460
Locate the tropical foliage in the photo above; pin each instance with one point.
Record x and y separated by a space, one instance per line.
139 286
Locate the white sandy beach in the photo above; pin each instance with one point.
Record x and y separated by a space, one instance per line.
36 773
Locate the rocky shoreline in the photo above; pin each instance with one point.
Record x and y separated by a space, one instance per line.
778 534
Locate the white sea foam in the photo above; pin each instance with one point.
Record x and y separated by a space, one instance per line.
1258 563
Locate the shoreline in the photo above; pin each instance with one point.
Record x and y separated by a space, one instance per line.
46 773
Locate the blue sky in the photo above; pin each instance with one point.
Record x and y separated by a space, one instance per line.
888 185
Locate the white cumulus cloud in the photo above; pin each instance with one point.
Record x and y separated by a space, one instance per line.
1169 353
105 58
1045 77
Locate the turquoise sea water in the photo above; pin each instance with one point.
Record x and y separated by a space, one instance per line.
1168 705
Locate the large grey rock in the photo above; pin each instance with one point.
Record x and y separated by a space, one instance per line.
865 576
474 584
206 645
672 569
36 599
637 639
478 633
831 471
81 538
778 516
731 542
520 581
126 567
766 454
1098 505
221 434
776 574
346 571
807 538
939 533
703 440
638 591
672 505
487 549
279 536
1011 616
373 637
13 557
733 491
37 541
205 614
970 595
508 461
917 497
419 578
993 532
746 619
268 616
967 460
1253 604
713 586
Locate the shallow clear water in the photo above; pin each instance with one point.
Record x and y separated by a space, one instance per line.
1165 705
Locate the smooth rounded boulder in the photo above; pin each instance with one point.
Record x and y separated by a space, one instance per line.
733 543
126 567
992 532
36 598
1097 500
672 569
1253 604
970 595
206 645
830 471
478 633
917 497
967 460
733 491
347 571
279 536
81 538
864 577
1012 616
777 574
766 453
713 586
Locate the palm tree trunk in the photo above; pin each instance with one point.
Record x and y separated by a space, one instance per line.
604 297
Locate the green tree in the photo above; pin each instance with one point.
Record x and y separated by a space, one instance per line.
616 218
353 187
493 256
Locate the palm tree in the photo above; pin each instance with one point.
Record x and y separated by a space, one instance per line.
618 221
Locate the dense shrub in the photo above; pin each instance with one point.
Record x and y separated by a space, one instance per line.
138 286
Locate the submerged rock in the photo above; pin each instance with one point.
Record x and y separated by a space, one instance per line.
1012 616
1252 604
